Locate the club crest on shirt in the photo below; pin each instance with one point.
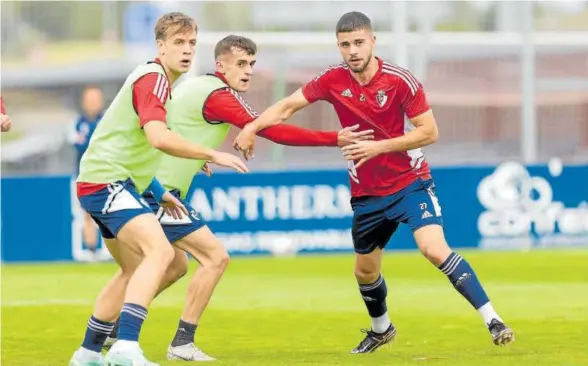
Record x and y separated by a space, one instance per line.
381 98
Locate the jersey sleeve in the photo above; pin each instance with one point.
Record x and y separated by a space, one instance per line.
318 88
2 110
291 135
150 93
414 98
226 105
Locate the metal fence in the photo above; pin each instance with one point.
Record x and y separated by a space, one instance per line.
507 80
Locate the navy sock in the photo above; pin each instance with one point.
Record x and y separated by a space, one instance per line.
185 334
374 296
96 334
114 333
131 318
464 279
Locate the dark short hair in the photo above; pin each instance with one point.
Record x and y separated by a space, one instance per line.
231 42
173 23
353 21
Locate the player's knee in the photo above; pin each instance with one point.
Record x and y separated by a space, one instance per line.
220 261
435 251
366 275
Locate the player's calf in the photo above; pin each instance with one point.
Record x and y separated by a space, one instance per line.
372 287
213 259
431 242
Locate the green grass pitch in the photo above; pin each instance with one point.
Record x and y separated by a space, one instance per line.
307 310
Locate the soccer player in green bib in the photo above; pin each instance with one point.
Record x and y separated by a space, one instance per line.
203 110
120 164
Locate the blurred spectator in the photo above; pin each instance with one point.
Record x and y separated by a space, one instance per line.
92 106
5 122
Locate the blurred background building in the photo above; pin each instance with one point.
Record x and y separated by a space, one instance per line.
507 80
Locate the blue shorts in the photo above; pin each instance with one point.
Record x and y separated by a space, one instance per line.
112 207
376 218
175 229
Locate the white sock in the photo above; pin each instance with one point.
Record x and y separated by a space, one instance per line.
488 313
381 323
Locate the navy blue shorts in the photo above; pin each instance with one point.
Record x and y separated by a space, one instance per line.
375 218
175 229
112 207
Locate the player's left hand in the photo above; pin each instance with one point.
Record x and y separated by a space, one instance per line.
245 142
362 151
349 135
173 206
207 169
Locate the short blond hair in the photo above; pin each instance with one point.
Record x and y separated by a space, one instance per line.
173 23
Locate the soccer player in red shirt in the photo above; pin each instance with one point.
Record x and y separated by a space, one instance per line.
5 121
390 180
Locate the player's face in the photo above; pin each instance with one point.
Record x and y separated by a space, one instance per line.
92 102
178 51
237 68
356 48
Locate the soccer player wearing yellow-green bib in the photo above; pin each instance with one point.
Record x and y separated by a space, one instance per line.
120 164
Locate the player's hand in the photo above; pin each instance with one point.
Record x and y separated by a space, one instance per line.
5 123
245 142
173 206
230 161
362 151
349 135
207 169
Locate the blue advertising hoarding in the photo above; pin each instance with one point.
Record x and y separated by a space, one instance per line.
504 207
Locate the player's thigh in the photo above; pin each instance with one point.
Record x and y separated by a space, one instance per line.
145 232
191 234
203 245
127 256
422 213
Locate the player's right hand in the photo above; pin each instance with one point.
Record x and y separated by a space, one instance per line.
230 161
349 135
245 141
5 123
172 206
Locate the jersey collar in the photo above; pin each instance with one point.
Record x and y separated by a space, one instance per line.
220 76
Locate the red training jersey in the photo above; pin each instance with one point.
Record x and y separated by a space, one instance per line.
228 106
2 110
150 93
380 105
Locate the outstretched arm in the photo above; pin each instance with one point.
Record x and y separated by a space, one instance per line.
227 106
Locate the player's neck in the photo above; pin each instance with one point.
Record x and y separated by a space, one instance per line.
368 74
171 76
